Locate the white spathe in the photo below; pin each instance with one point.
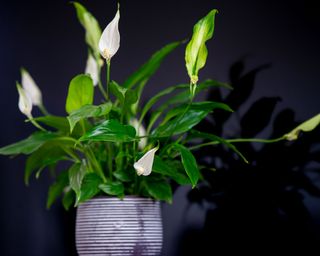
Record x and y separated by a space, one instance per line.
92 69
144 165
31 88
141 131
25 102
110 39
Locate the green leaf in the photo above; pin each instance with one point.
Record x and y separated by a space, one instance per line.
196 50
91 26
110 130
114 188
306 126
125 175
118 91
87 111
143 74
214 138
189 164
76 175
28 145
184 121
162 167
127 97
80 93
56 189
48 154
159 189
89 187
68 199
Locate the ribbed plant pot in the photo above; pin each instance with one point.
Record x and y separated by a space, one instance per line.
111 226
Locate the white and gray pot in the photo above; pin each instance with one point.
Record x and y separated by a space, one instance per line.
111 226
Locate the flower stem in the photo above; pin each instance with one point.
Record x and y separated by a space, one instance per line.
43 110
36 124
108 77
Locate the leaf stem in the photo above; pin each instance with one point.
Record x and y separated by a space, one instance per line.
43 110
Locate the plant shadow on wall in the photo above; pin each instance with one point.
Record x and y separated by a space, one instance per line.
260 203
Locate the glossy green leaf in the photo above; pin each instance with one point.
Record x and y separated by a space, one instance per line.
114 188
196 50
90 186
159 189
219 140
189 163
162 167
126 97
184 121
143 74
88 111
80 93
110 130
76 175
91 26
28 145
48 154
306 126
56 189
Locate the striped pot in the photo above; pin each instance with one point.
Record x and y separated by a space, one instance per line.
110 226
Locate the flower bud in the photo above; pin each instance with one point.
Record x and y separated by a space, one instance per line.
31 88
25 102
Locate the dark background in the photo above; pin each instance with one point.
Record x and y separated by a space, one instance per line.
46 38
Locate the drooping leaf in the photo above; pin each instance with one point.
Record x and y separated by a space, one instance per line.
87 111
28 145
190 164
68 199
219 140
89 187
143 74
48 154
76 175
196 50
91 26
159 189
56 189
80 93
110 130
114 188
306 126
162 167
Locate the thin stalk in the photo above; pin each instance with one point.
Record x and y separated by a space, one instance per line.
108 77
102 90
36 124
96 164
43 110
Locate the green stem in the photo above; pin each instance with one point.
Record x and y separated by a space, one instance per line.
96 164
43 110
108 77
102 90
109 160
237 141
255 140
36 124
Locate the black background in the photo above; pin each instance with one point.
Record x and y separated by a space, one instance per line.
46 38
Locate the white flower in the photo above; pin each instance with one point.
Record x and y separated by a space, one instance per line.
141 131
144 164
25 102
110 39
92 69
31 88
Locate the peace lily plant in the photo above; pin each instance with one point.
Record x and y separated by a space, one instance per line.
112 148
